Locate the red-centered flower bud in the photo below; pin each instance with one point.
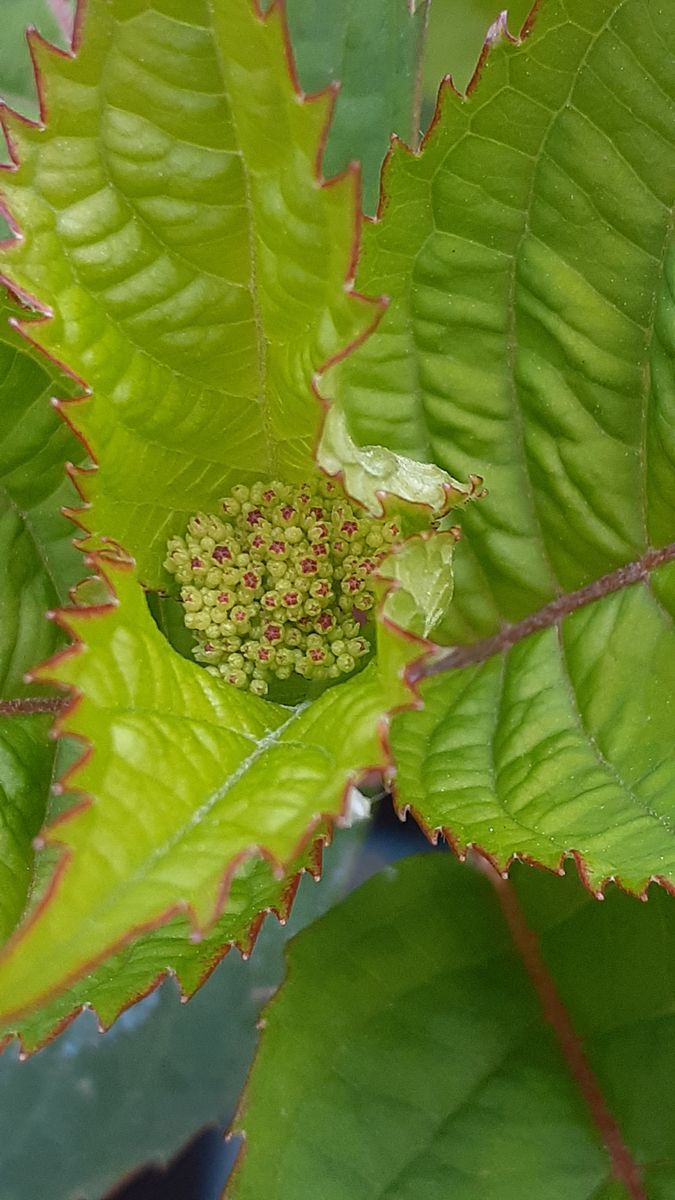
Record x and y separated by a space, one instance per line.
324 623
349 530
260 582
237 678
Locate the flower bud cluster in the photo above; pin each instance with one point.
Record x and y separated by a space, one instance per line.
278 582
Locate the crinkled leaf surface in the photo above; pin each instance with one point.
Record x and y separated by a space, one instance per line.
69 1116
175 222
425 1067
375 52
185 780
188 777
528 252
39 566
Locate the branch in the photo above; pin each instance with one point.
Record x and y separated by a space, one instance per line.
624 1168
551 614
31 706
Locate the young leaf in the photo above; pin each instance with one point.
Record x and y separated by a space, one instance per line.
40 566
518 1039
199 269
186 781
69 1116
529 255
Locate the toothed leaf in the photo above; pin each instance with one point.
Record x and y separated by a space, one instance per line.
528 251
175 221
190 781
39 566
198 275
430 1021
374 51
69 1116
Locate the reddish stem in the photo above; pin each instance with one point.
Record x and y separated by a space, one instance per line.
624 1167
31 706
550 614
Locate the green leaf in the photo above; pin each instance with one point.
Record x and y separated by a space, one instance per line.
69 1116
40 565
16 74
374 51
199 270
456 34
188 782
528 253
199 802
469 1041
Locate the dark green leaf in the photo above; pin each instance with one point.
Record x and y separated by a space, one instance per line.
459 1046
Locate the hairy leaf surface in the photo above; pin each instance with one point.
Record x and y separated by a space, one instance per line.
529 255
517 1049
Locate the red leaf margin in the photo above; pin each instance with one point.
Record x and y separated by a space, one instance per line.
100 551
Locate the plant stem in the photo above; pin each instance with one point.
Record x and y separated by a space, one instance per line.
31 706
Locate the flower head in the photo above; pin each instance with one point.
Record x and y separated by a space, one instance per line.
288 567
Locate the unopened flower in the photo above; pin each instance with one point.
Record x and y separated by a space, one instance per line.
279 581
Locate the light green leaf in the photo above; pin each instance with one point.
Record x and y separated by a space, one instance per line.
529 257
69 1116
188 782
462 1047
199 271
40 564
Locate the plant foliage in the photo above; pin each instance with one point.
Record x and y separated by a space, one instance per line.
196 289
429 1020
528 251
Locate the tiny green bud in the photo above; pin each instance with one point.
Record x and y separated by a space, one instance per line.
345 663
